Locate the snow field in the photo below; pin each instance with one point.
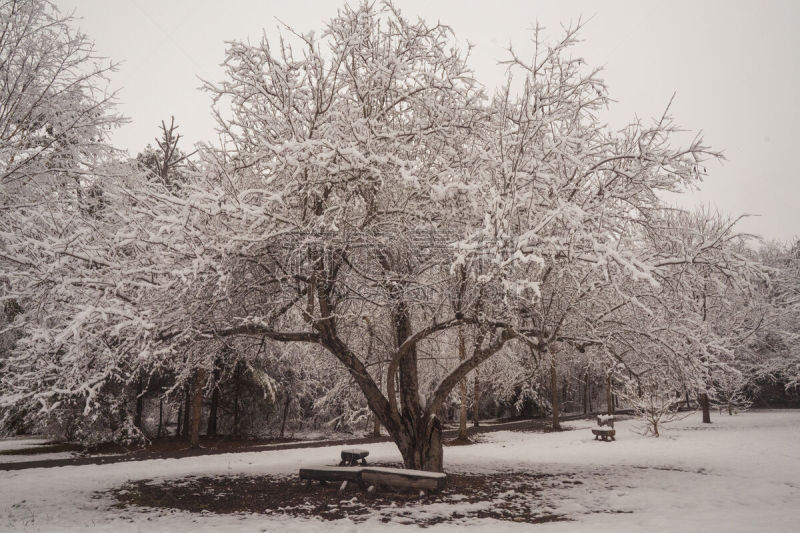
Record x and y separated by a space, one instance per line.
740 474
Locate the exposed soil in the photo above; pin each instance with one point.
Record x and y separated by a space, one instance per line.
506 496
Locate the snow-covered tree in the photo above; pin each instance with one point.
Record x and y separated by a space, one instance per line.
358 180
66 221
367 200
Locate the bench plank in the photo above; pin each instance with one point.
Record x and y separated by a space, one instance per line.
332 473
402 479
391 478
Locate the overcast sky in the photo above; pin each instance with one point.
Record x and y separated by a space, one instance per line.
735 67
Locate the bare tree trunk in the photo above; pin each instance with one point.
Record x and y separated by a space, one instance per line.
197 407
462 386
285 414
706 405
586 393
554 395
180 420
187 404
159 433
589 392
376 429
476 401
211 429
609 395
237 376
137 419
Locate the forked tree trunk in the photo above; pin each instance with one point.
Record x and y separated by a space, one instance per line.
197 407
706 405
422 451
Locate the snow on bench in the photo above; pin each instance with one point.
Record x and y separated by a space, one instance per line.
605 420
391 478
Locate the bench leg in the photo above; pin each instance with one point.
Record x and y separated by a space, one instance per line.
363 462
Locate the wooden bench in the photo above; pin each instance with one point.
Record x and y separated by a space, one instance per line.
389 478
604 434
352 456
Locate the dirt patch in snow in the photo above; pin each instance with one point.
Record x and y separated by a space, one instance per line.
510 496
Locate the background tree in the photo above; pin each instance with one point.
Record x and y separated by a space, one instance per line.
166 161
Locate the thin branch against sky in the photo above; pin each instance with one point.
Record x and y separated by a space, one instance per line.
734 66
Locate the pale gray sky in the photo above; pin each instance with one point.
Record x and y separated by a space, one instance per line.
735 66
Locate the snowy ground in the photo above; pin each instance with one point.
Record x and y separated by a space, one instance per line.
18 444
740 474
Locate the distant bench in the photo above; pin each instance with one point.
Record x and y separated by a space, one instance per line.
352 456
390 478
